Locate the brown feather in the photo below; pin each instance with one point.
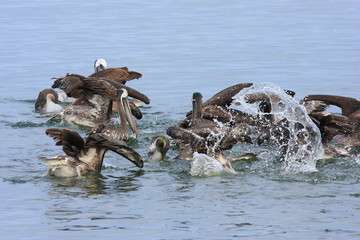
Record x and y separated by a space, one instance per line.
70 84
71 141
348 105
225 97
120 75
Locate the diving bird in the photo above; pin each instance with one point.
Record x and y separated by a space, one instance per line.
94 98
88 155
120 75
158 148
47 102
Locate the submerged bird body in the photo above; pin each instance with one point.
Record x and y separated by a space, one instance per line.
158 148
47 101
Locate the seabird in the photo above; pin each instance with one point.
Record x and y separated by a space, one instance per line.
87 155
158 148
94 98
47 101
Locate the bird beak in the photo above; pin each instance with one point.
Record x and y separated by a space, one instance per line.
124 102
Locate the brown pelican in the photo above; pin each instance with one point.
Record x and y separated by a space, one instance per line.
339 131
158 148
87 155
94 97
47 101
121 74
197 134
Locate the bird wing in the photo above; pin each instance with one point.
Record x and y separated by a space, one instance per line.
120 75
71 142
101 86
108 88
100 140
129 154
348 105
70 84
225 97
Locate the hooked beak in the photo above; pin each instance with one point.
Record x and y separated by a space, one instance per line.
123 103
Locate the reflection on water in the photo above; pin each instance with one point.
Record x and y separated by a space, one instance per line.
95 184
127 183
91 184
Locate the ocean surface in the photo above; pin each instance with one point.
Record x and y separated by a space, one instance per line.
180 47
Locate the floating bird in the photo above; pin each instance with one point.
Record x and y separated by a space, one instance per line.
120 75
158 148
47 101
87 155
94 98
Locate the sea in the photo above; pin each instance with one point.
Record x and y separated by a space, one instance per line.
180 47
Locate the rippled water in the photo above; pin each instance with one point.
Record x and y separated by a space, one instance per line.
180 47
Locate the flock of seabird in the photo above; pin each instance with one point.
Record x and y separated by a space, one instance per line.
211 127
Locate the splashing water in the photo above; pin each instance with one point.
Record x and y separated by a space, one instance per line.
215 137
203 165
286 123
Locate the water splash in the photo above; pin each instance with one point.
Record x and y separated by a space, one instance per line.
216 136
203 165
285 123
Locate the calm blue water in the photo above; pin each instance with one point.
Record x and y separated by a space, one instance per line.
180 47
